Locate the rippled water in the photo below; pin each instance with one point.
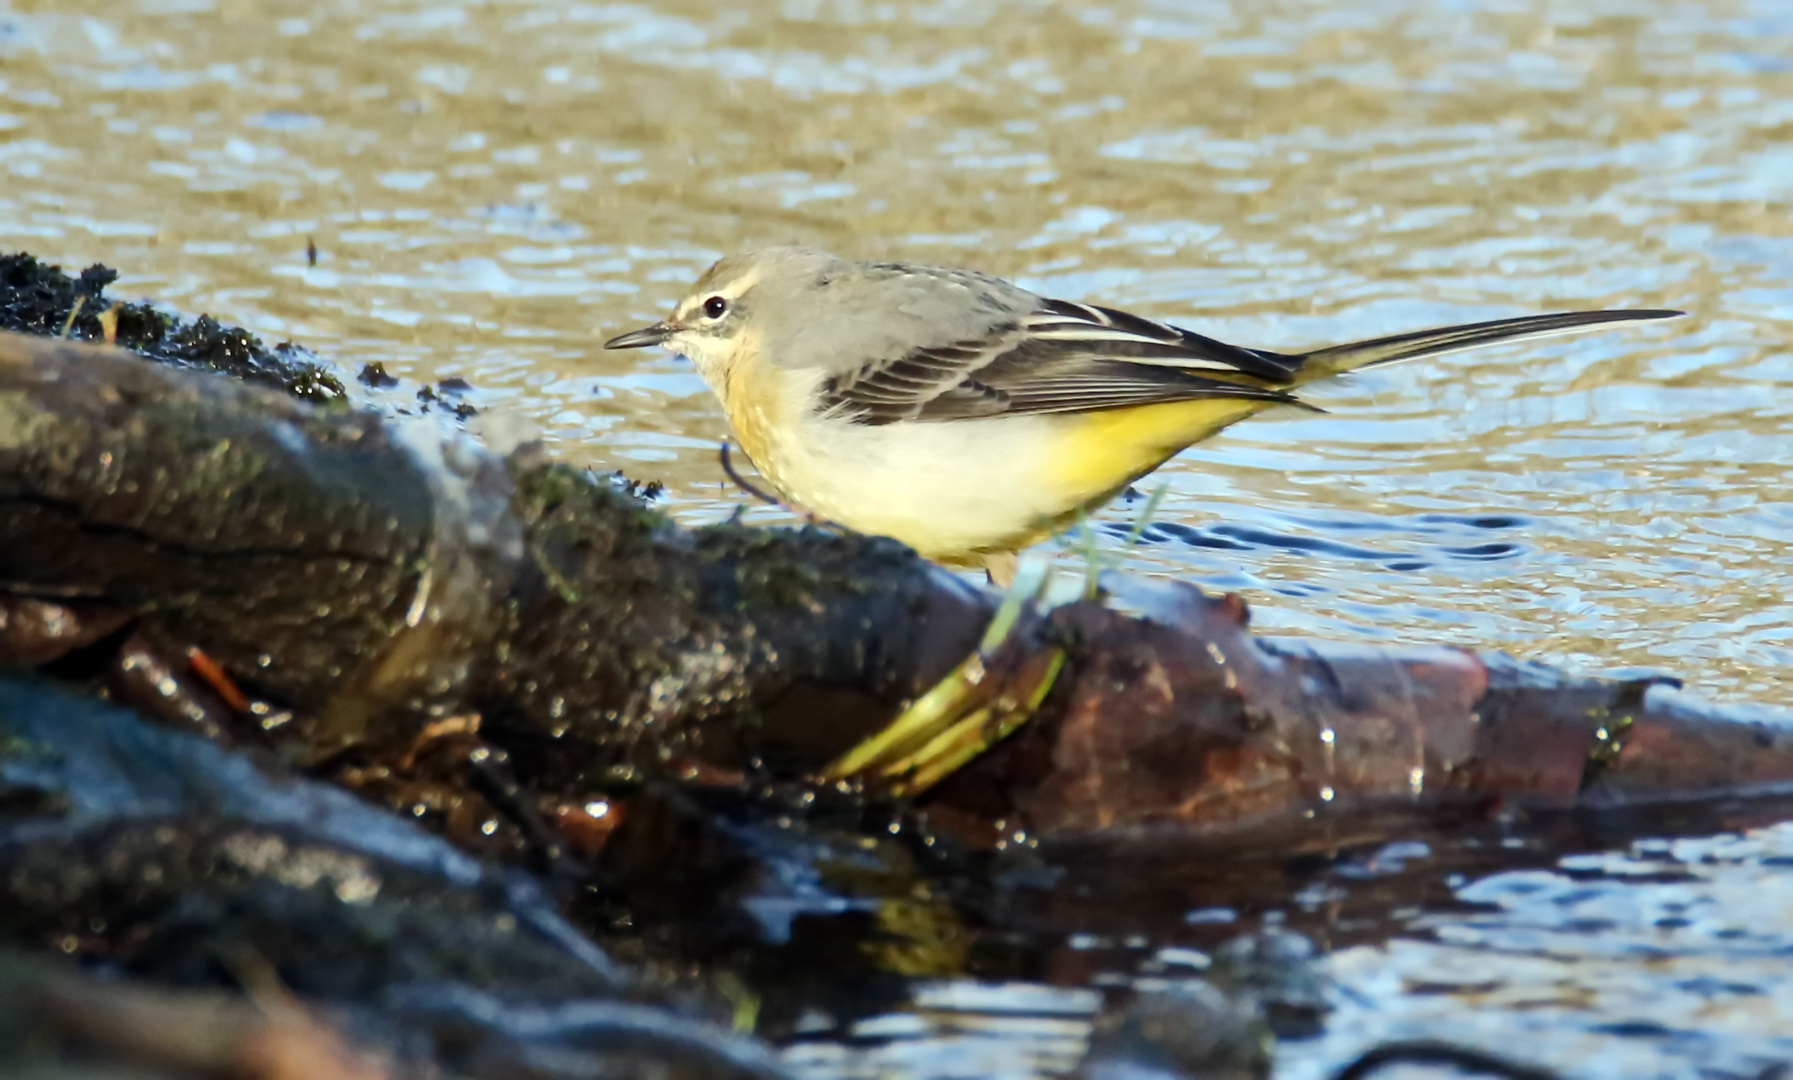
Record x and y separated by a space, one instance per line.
1658 958
494 187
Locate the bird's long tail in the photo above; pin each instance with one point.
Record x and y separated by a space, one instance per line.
1390 350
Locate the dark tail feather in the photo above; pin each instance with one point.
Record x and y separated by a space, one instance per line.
1390 350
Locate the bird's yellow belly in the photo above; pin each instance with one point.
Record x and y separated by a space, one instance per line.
959 490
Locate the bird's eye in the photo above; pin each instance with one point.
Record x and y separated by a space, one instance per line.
715 307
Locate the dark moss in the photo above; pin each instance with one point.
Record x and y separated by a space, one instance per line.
779 568
36 298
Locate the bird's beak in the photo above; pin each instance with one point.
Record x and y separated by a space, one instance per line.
642 338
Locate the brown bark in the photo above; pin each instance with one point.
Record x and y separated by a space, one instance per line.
1182 722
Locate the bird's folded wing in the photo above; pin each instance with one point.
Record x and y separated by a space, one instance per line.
1060 358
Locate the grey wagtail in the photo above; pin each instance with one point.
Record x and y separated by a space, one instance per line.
969 417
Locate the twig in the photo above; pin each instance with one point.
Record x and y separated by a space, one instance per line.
1435 1052
68 325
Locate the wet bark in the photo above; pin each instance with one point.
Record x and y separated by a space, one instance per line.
1181 723
375 576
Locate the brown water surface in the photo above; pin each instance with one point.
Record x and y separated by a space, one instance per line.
494 187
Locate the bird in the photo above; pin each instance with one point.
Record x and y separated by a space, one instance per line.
969 417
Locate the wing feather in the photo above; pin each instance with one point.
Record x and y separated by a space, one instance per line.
1062 357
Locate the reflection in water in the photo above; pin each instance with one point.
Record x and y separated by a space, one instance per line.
1666 959
494 187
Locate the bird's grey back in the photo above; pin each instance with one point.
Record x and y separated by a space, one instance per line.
838 314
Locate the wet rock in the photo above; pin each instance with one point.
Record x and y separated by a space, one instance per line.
157 854
1278 971
1187 1031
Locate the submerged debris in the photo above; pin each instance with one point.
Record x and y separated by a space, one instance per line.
375 375
434 396
645 490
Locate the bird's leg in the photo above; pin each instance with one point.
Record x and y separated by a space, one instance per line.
1000 568
728 469
809 517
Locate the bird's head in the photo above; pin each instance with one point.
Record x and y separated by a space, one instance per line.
741 300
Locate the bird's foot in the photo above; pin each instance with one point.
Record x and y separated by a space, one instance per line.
979 703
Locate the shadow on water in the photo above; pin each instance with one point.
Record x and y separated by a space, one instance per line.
1431 540
900 958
